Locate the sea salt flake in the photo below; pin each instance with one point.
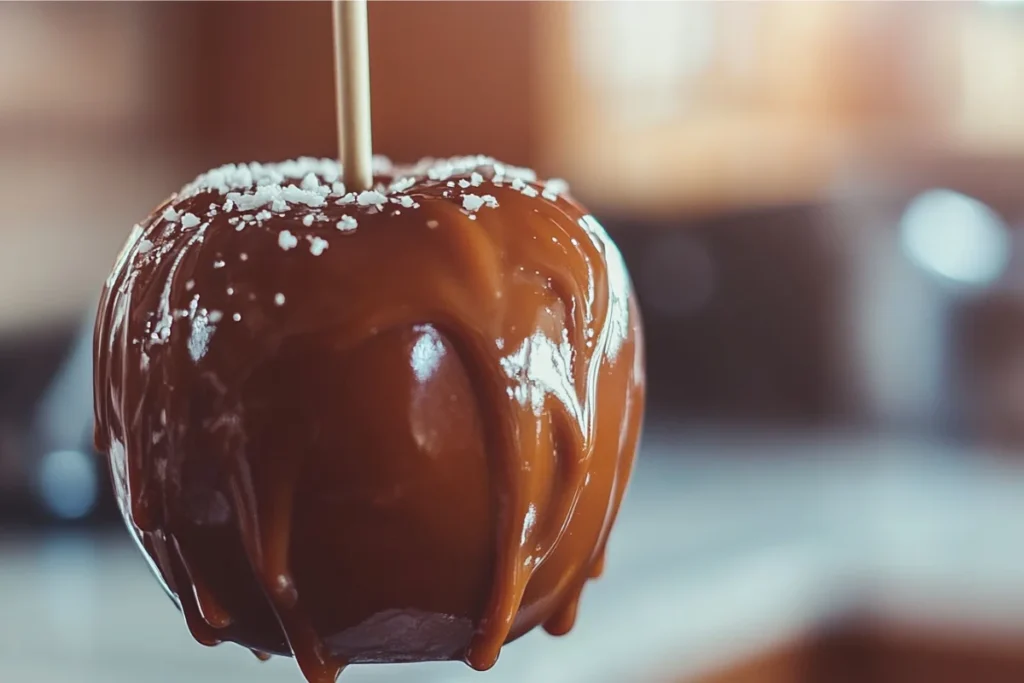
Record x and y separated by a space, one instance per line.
189 285
189 220
556 186
472 202
145 246
346 223
228 205
381 165
475 179
530 191
371 198
490 201
251 200
236 317
307 220
170 214
214 316
297 195
402 184
406 201
277 197
522 173
464 184
310 182
317 245
338 188
264 215
279 299
245 176
286 240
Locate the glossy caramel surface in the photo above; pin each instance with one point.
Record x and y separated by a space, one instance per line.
389 426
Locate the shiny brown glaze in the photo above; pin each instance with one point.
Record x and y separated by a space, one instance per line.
409 444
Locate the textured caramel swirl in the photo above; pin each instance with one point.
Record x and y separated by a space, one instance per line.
377 427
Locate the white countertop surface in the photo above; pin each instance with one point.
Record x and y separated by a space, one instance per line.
738 544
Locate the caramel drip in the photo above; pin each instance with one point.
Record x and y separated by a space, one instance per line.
533 302
209 609
563 619
191 607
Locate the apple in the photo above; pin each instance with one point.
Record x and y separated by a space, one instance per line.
381 426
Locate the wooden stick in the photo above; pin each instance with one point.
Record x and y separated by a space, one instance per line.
352 90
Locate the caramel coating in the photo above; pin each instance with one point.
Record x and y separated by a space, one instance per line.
386 427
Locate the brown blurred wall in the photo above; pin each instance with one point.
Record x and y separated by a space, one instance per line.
447 78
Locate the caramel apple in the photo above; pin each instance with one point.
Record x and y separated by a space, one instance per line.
382 426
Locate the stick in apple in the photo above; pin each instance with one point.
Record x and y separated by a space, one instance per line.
352 91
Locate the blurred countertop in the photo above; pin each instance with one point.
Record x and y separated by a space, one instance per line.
728 545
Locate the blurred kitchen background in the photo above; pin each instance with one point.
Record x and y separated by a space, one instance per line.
822 207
